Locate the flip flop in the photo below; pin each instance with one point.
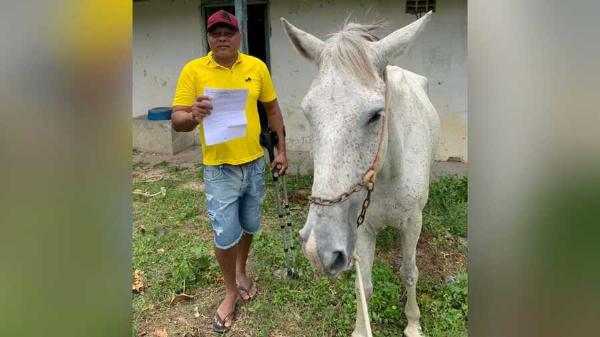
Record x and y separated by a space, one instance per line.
219 324
247 291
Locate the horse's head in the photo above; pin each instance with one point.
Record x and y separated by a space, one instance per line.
344 106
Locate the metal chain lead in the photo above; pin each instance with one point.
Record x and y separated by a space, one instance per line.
365 205
344 196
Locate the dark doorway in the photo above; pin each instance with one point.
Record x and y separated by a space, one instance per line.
258 41
258 45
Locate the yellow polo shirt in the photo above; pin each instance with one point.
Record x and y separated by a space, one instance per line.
248 72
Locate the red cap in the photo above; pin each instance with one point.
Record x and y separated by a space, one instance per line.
222 17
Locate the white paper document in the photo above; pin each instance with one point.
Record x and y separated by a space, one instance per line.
227 119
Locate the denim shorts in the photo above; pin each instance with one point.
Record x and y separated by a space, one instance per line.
234 197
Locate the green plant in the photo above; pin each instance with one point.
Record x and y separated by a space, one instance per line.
447 307
446 208
387 238
193 266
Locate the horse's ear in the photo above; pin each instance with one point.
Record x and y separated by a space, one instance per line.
307 45
398 42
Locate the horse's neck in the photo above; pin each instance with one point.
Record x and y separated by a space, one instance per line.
403 113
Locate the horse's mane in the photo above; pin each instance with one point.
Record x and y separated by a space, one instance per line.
347 51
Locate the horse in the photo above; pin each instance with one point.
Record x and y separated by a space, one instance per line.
360 107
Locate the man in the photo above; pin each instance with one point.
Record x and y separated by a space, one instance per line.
233 170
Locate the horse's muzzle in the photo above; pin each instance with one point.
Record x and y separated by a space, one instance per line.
331 260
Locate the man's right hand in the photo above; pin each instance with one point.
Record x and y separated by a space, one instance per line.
201 108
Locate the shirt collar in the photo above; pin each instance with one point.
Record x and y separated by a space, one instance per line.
211 62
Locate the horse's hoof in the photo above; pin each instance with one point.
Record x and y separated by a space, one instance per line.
413 331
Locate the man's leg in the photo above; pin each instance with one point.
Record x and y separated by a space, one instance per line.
250 206
242 257
227 261
222 185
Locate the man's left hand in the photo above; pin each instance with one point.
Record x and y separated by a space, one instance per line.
282 160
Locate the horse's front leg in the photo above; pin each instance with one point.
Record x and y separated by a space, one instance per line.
410 273
365 249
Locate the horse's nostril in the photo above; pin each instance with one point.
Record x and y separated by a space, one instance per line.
336 262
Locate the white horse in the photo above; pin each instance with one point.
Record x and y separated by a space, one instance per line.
354 88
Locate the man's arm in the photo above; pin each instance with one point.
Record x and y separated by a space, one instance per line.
182 120
276 124
187 118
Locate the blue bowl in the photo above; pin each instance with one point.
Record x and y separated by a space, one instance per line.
160 114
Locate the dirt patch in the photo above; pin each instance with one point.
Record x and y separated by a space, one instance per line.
188 158
193 318
438 258
299 198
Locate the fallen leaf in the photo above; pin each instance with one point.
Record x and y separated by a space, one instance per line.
181 297
138 281
161 333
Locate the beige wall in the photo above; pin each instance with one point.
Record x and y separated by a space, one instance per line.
168 33
439 54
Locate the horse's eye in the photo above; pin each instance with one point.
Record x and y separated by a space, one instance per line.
375 117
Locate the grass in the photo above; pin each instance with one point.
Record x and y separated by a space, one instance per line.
173 247
446 208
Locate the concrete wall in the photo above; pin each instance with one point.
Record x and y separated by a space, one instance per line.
439 54
168 33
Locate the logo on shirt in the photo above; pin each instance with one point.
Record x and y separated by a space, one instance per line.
248 79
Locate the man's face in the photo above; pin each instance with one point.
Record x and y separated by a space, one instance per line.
224 41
